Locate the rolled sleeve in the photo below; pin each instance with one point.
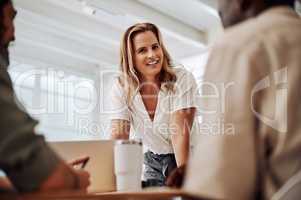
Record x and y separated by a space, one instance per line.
185 92
118 106
24 156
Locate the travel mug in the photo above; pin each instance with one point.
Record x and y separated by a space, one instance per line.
128 161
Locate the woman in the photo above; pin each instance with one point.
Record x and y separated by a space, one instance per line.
155 100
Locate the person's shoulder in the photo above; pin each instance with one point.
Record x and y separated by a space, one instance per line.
117 85
237 37
256 32
241 40
185 78
181 72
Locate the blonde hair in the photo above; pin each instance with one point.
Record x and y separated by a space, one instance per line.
129 79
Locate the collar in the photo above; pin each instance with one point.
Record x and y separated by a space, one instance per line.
280 10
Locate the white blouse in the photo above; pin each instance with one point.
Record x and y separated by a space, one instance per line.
155 134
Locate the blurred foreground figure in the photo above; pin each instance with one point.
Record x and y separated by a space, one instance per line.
250 141
29 163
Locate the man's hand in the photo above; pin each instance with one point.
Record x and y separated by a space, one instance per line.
65 177
5 184
176 177
83 178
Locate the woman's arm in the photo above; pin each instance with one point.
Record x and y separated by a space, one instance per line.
181 123
120 129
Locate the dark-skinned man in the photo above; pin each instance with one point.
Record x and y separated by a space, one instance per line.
250 140
28 162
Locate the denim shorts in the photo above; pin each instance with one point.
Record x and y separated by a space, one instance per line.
157 168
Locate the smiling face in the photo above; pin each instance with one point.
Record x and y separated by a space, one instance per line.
148 55
7 32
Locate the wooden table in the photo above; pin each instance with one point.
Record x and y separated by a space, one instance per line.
141 195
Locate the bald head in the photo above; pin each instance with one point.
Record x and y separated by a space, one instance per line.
235 11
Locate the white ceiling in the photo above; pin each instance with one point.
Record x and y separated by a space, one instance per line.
60 33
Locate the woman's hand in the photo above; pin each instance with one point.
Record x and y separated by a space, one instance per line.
176 177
